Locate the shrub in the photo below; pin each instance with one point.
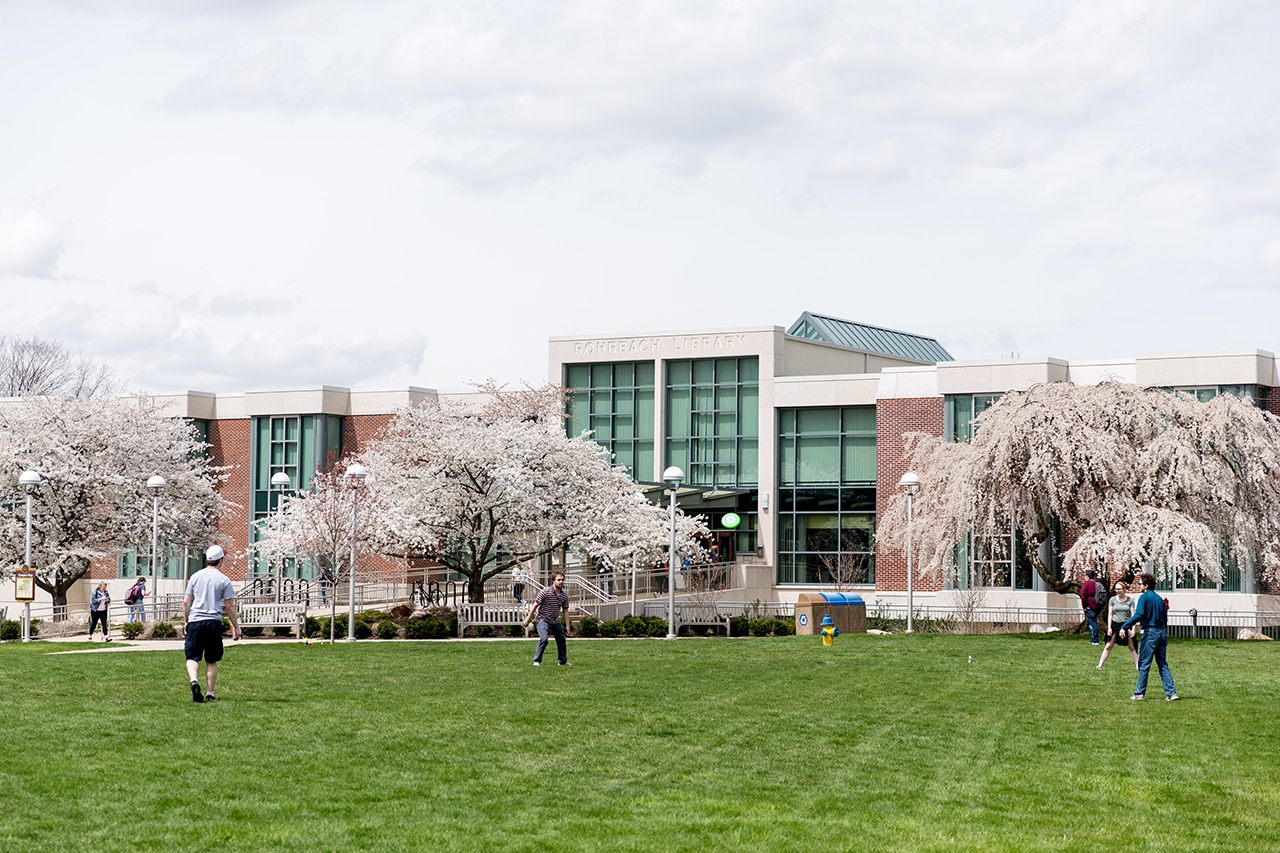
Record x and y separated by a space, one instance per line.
363 630
656 625
738 626
589 626
164 631
312 627
515 630
131 630
226 625
612 628
252 630
388 630
429 628
635 626
760 627
784 627
10 630
282 630
483 630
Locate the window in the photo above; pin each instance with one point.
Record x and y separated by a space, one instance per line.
827 495
713 420
298 445
1256 394
615 402
176 561
961 409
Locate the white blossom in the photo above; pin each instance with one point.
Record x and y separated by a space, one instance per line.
1145 476
94 456
480 489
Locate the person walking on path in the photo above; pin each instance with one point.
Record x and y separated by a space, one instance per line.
134 598
1152 613
519 577
209 592
1119 609
551 607
99 606
1090 598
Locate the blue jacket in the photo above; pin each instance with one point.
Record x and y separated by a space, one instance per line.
1150 610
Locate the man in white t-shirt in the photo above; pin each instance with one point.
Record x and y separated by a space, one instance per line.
209 592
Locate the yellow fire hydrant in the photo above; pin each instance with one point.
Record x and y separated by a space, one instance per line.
829 631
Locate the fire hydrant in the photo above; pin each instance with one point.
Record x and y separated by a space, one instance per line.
829 631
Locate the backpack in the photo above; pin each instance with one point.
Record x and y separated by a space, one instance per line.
132 597
1099 602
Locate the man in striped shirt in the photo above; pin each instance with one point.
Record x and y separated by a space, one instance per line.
550 605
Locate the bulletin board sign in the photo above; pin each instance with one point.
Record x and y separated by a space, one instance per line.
25 585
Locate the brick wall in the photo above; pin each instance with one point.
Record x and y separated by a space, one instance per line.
230 442
893 418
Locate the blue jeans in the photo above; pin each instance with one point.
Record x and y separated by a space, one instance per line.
1154 643
1091 617
137 613
555 629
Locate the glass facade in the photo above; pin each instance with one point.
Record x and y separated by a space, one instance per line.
176 561
1256 394
615 401
713 421
827 495
298 445
961 409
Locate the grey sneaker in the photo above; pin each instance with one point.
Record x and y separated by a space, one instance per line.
209 697
537 663
1138 696
1172 697
566 663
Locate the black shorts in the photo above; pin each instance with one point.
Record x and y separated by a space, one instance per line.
1117 627
204 638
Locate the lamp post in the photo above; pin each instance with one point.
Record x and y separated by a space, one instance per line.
279 481
357 473
910 482
28 480
156 484
673 477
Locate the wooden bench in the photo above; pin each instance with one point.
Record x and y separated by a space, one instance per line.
493 615
269 615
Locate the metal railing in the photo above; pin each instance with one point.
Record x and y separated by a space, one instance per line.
1012 619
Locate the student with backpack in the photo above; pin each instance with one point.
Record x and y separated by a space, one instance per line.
133 598
1093 596
1153 612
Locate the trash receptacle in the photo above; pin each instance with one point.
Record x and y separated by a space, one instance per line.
847 610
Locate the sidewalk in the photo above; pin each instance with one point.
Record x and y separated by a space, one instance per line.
176 644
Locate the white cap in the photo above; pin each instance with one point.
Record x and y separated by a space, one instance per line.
214 553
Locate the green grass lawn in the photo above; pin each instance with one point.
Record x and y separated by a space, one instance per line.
878 743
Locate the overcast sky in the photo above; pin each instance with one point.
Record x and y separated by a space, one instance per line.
231 194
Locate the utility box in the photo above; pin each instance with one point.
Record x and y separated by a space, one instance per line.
846 609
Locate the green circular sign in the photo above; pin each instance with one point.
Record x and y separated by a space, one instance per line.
730 520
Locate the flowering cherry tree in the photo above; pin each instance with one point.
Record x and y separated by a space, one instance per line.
1144 475
481 488
95 456
315 525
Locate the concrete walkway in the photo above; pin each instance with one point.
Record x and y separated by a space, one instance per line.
176 644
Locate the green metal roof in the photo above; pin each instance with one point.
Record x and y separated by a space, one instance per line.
846 333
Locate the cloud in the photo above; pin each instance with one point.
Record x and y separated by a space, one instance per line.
509 95
165 349
236 303
879 164
31 243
